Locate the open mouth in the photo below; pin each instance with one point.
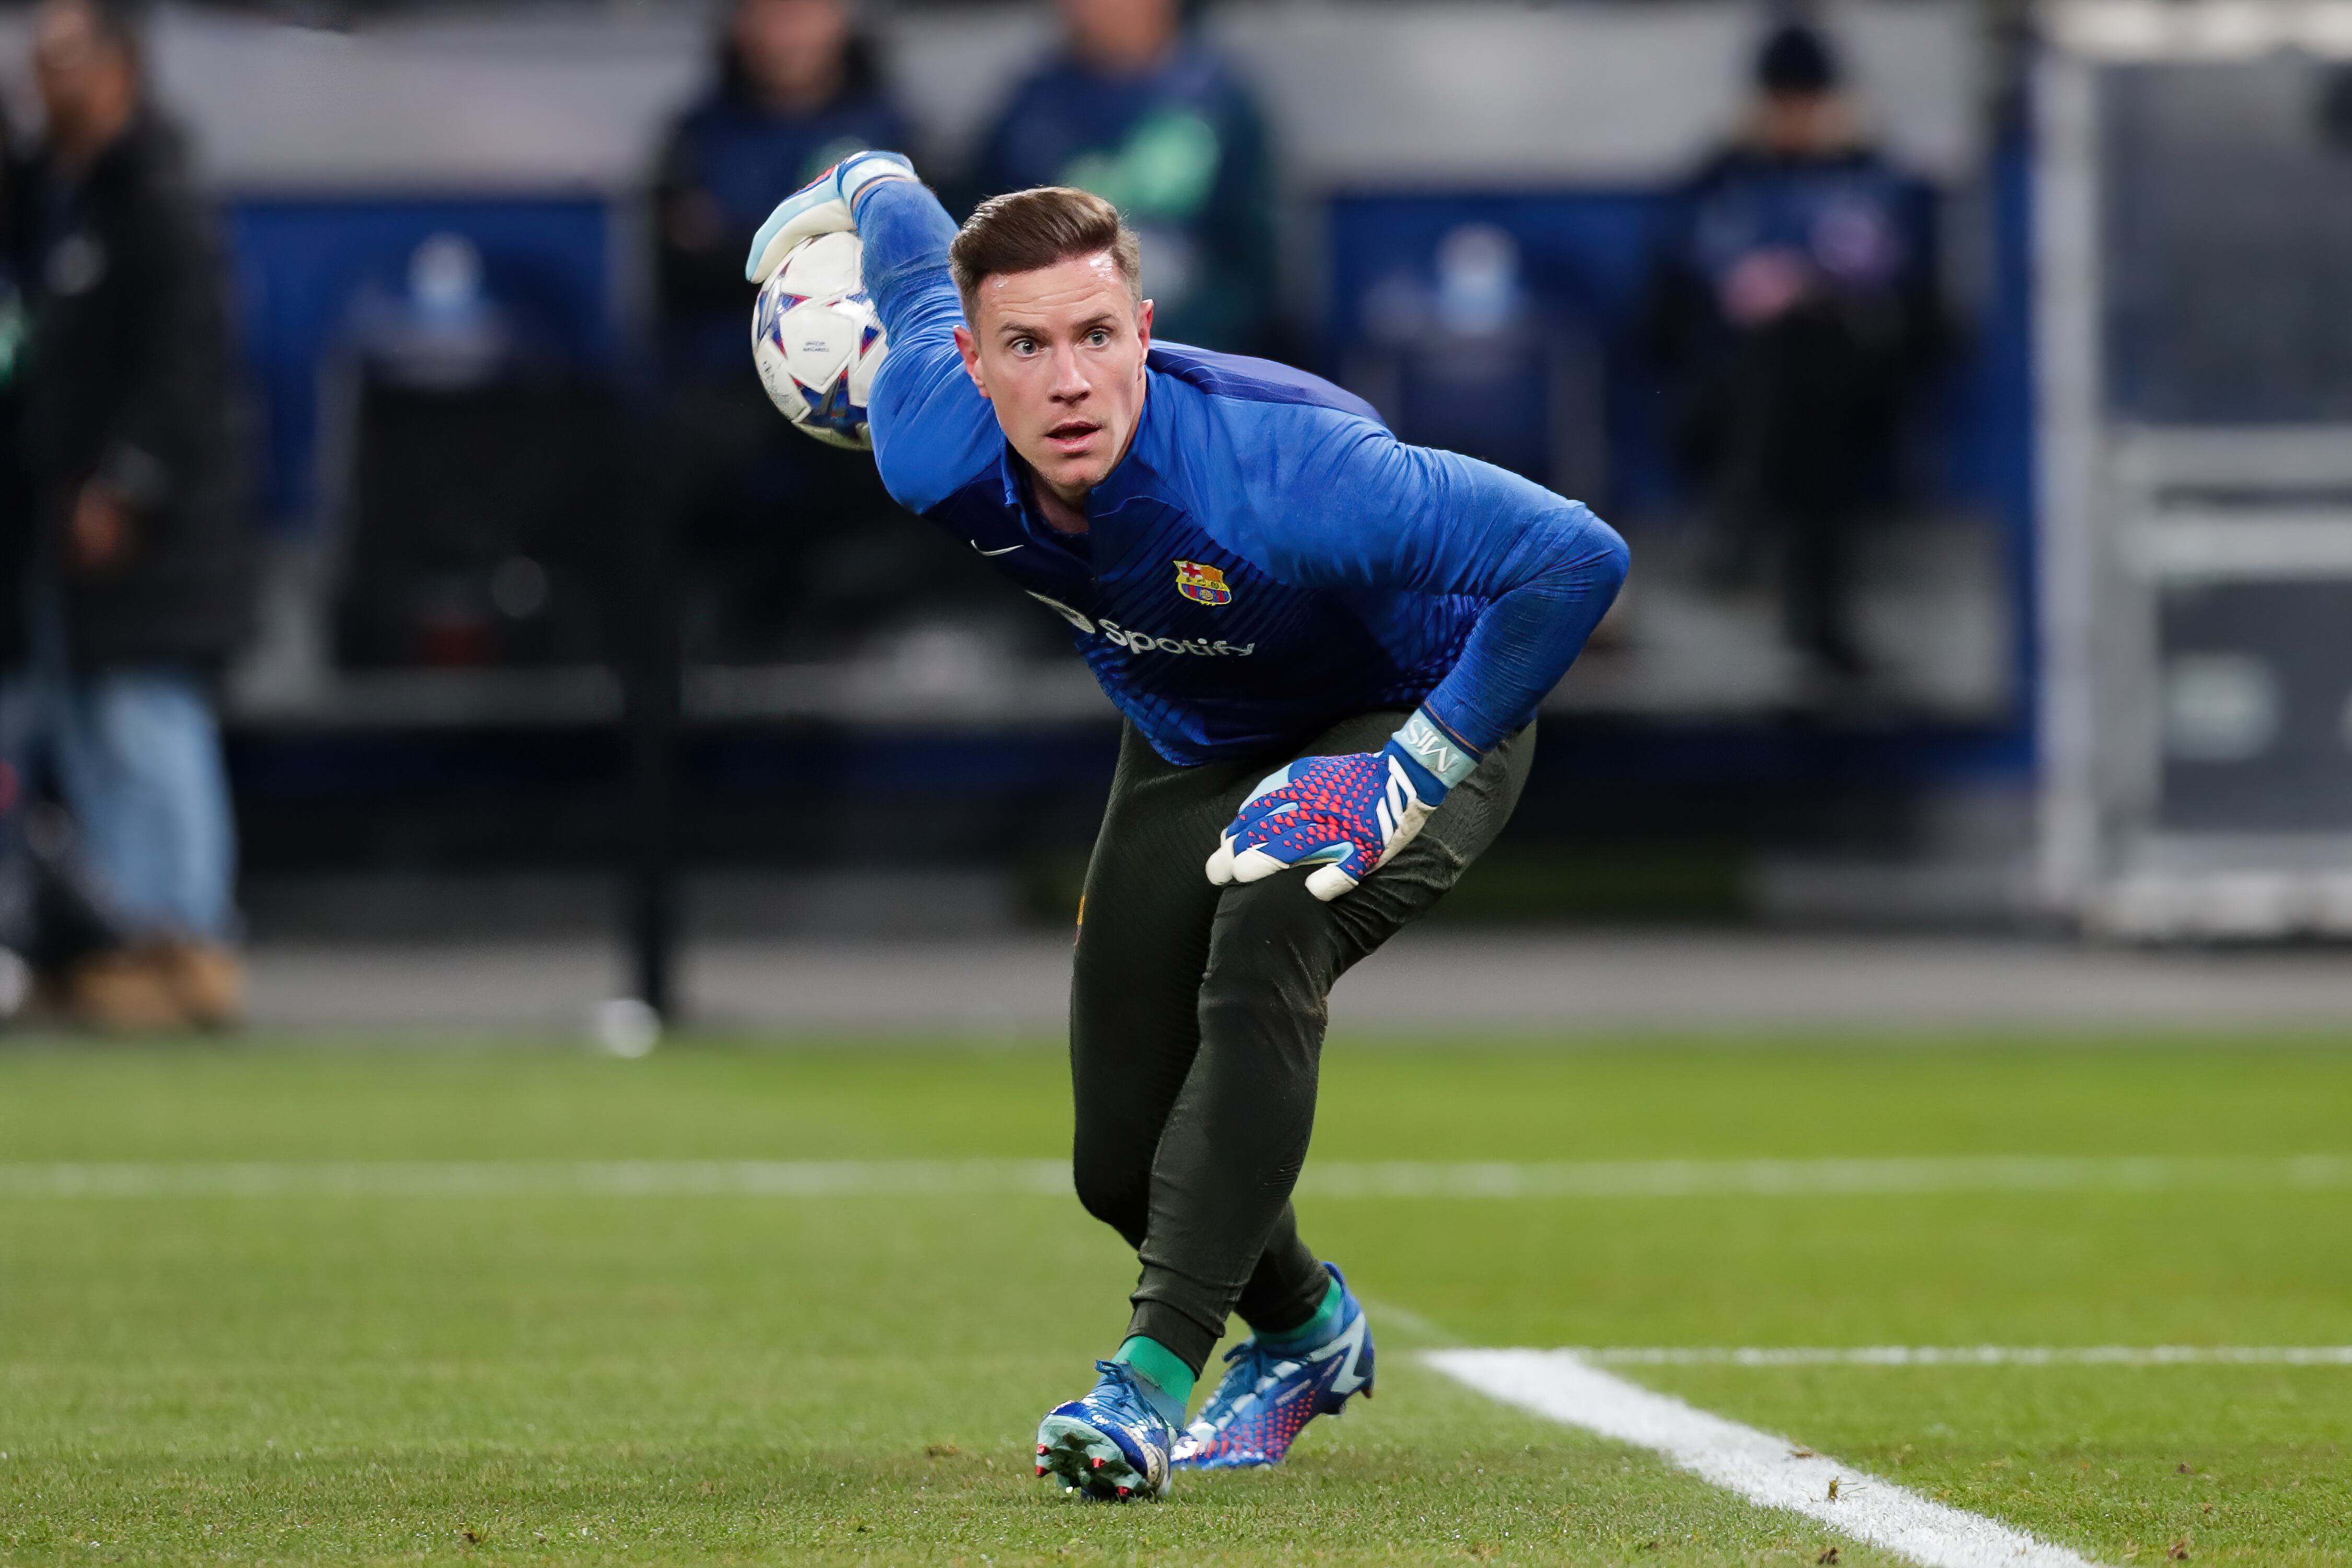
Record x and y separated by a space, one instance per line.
1072 435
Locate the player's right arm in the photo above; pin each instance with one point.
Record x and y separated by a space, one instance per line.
932 430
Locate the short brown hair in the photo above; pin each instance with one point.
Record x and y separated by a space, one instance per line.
1024 230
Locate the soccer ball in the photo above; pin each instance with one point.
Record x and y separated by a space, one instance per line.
818 343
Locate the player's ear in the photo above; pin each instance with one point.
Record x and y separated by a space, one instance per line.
969 346
1143 324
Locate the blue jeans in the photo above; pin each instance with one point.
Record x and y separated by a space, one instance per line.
135 753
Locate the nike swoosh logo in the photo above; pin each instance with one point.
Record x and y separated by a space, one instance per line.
1006 551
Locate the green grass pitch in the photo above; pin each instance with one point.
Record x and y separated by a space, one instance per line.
314 1379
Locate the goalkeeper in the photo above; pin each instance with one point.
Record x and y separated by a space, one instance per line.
1327 646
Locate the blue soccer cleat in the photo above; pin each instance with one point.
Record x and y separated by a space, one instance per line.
1268 1397
1111 1444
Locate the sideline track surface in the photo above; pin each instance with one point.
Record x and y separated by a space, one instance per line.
1338 1179
1433 981
1758 1465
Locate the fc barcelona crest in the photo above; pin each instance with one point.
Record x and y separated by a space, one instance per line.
1202 585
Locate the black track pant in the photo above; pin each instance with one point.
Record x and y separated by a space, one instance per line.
1196 1023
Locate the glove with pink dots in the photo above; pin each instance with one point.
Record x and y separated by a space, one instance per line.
1347 817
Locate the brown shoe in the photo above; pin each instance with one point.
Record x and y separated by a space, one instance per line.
207 981
127 991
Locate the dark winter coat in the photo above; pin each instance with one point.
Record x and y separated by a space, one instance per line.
1862 233
129 383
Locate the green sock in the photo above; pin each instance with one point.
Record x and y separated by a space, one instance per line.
1316 1329
1167 1381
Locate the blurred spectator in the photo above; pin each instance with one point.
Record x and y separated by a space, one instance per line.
21 934
1150 118
797 88
1793 303
138 578
753 500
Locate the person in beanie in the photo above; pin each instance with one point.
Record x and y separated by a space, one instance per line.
1793 306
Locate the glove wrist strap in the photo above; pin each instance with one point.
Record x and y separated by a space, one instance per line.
1425 744
867 170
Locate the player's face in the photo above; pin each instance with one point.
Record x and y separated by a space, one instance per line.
1802 124
1060 353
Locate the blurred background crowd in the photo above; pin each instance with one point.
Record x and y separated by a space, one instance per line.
382 433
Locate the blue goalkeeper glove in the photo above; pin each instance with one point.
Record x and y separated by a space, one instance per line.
827 205
1347 817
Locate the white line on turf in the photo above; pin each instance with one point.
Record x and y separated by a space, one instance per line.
1966 1355
1814 1178
540 1178
1767 1471
1330 1180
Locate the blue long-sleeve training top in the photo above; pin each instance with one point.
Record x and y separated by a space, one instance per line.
1267 559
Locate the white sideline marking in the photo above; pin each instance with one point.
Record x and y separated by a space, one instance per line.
1813 1178
1331 1180
1767 1471
540 1178
1966 1355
